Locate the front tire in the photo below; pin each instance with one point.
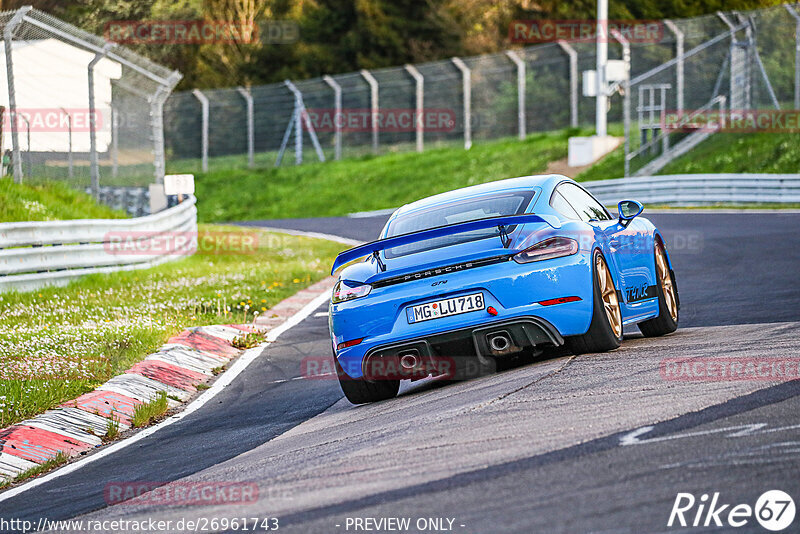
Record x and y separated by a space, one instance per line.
361 391
605 330
667 292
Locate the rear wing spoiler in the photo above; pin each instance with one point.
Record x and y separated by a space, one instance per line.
374 247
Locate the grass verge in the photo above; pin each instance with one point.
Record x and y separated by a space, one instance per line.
145 413
370 183
58 343
720 153
48 202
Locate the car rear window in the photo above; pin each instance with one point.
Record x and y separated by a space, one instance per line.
457 211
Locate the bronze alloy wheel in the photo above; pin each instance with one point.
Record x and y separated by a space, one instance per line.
665 280
608 294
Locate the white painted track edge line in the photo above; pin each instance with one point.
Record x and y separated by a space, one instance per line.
248 357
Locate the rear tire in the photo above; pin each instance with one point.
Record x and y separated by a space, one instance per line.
601 336
361 391
667 291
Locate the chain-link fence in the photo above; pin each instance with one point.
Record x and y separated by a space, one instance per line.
78 108
686 66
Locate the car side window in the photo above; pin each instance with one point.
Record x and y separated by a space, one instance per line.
562 206
587 207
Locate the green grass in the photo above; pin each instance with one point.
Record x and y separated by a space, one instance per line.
58 343
145 413
720 153
48 202
369 183
112 430
58 460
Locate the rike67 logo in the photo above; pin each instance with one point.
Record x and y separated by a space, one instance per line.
774 510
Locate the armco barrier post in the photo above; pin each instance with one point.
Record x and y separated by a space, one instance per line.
203 99
573 82
374 106
520 64
466 80
8 40
251 136
420 101
337 123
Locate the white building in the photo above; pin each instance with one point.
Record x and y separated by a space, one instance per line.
51 80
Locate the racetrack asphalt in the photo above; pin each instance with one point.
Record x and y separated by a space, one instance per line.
557 445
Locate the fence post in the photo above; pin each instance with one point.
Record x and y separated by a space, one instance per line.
157 121
420 101
626 102
374 107
794 14
114 141
251 128
732 29
573 81
69 133
300 117
8 39
203 99
94 165
466 80
28 146
513 56
337 124
679 45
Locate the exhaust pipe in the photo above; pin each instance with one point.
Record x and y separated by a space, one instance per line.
499 343
409 361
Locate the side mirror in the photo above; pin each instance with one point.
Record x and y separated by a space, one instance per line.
628 210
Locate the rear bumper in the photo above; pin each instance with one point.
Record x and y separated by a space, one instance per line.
435 353
515 291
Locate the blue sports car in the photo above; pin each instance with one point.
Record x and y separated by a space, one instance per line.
493 270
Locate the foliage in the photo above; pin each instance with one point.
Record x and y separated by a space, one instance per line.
339 36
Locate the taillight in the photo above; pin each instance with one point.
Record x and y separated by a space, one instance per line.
350 343
553 247
342 292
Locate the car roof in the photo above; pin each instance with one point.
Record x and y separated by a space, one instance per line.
545 181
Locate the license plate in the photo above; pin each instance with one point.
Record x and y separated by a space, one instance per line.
445 308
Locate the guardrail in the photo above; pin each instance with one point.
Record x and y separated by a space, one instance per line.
36 254
700 189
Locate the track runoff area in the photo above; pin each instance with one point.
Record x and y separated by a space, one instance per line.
618 442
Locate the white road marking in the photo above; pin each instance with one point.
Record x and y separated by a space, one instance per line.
248 357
